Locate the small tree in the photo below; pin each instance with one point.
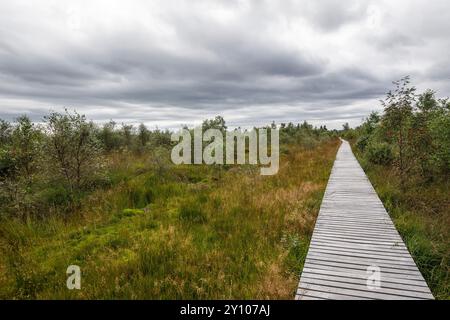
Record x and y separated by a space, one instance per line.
73 148
5 132
420 138
6 160
439 129
20 157
143 135
217 123
398 107
366 130
108 136
346 126
25 147
127 134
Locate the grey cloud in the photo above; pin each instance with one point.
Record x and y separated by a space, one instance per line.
252 61
330 15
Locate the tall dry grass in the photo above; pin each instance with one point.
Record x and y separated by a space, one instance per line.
188 232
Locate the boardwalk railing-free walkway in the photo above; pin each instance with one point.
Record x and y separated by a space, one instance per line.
353 239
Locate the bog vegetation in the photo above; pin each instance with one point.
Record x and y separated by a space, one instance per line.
108 198
406 153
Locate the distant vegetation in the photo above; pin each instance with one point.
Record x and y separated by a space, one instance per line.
47 168
108 198
406 153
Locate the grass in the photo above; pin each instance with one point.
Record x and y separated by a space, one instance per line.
420 213
174 232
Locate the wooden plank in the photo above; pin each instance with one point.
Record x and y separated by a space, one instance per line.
390 278
308 288
355 264
318 295
362 283
364 291
345 234
358 250
356 230
313 298
377 247
366 261
387 271
359 240
352 233
353 253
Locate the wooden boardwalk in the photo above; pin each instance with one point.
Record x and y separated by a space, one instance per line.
354 233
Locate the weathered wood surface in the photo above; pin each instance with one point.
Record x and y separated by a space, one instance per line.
354 232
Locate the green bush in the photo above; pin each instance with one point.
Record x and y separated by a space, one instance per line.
440 132
362 143
58 195
7 164
379 153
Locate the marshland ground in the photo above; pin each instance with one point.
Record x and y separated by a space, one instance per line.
159 231
108 199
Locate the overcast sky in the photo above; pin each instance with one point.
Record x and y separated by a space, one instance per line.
169 63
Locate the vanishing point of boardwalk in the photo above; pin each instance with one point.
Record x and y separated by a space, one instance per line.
353 236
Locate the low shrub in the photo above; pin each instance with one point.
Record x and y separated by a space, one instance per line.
379 153
362 143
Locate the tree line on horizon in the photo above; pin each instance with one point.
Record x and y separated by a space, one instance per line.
58 161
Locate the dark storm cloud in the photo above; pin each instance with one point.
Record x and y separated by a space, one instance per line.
173 62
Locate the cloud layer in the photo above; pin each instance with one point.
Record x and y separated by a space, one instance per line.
168 62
